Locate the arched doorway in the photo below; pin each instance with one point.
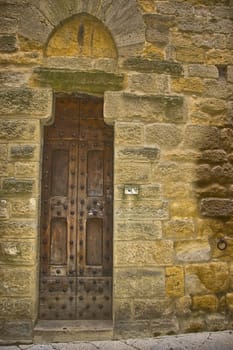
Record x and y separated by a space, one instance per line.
76 212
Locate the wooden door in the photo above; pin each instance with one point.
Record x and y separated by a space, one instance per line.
76 212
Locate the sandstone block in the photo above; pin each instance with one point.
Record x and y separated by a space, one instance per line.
132 173
152 308
26 101
208 303
4 209
16 308
11 79
230 74
12 186
26 169
183 208
16 330
201 137
229 300
23 151
219 56
148 82
169 171
123 310
139 283
193 85
17 252
212 106
196 55
214 190
216 322
140 64
26 208
163 135
139 253
16 281
227 139
213 276
129 134
138 230
174 281
183 306
158 27
8 43
219 89
179 229
18 229
4 168
132 329
202 71
193 324
214 156
146 154
193 251
148 108
203 174
155 210
216 207
19 130
165 325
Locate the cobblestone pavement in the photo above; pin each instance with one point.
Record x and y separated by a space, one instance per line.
202 341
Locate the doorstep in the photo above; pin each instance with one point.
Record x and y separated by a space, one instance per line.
62 331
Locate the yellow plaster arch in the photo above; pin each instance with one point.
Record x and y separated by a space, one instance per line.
81 36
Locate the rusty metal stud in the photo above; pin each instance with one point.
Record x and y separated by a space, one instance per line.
61 134
64 290
72 212
94 297
81 227
51 289
72 186
63 307
94 282
50 307
82 187
106 297
87 290
58 213
100 290
107 258
80 297
65 206
81 272
58 272
58 202
72 172
71 227
71 257
93 315
45 241
44 281
82 201
44 227
72 201
81 242
56 314
81 258
100 306
57 298
74 134
73 158
87 306
71 298
71 282
81 213
44 257
107 283
71 242
94 272
80 314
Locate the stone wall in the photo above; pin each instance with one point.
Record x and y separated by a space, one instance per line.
167 80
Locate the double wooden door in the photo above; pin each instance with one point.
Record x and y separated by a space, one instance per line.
76 212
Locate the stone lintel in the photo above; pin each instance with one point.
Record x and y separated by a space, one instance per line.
156 66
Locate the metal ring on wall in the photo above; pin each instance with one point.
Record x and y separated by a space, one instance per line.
222 244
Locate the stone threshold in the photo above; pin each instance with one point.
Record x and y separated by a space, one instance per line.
54 331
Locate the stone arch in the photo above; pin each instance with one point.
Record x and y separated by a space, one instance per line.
82 35
122 18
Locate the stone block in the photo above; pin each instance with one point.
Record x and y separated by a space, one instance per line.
193 251
183 208
146 154
152 308
214 190
214 156
139 283
26 208
219 89
213 278
177 190
222 173
183 306
179 229
19 130
26 169
17 330
141 231
230 74
227 139
163 135
219 56
132 329
193 324
4 168
165 325
216 207
169 171
202 71
18 229
148 82
155 210
25 101
23 152
216 322
16 308
203 174
174 281
140 64
191 85
129 134
202 137
212 106
148 108
11 79
229 301
185 55
126 173
17 252
122 310
16 281
13 186
4 209
8 43
8 25
207 303
143 253
158 27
